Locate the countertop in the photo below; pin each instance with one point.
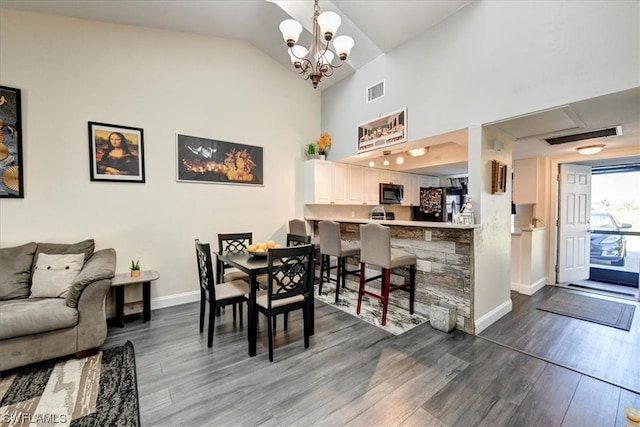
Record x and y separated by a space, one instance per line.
396 222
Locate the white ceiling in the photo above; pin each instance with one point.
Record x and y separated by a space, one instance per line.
377 26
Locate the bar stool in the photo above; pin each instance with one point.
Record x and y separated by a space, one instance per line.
375 240
331 244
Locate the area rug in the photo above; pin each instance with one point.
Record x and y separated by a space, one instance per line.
398 319
596 310
99 390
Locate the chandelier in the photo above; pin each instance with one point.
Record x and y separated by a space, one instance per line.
317 61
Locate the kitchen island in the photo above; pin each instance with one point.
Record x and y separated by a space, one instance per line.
444 268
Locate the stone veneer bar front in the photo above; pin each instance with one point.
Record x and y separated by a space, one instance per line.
444 268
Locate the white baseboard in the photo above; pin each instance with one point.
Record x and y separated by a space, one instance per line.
493 316
177 299
532 288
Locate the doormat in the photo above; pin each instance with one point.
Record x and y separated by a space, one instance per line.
98 390
398 319
596 310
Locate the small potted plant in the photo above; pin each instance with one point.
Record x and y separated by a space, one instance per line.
323 144
135 268
310 151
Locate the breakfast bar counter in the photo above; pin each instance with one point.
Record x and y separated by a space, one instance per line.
444 268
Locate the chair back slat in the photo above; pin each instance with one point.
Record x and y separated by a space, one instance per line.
234 242
205 268
290 272
297 240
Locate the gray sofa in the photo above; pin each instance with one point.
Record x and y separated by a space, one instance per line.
33 329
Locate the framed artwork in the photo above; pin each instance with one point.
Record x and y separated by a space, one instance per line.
218 162
116 153
387 130
498 177
11 170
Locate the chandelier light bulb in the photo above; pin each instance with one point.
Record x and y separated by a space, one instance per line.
329 23
343 46
291 30
297 53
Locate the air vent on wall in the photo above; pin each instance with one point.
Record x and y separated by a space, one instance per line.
586 135
376 91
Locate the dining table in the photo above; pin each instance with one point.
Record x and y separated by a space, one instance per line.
255 266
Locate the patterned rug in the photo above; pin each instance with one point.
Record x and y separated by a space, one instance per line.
398 319
99 390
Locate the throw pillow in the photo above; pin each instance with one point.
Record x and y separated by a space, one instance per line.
15 271
54 275
86 246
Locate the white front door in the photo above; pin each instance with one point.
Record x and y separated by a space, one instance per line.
573 225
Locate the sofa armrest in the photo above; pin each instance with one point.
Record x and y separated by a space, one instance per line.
92 316
101 266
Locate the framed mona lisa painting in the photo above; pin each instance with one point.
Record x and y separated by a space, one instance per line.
116 153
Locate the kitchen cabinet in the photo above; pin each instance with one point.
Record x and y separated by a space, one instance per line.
317 182
339 181
371 188
428 181
355 193
412 190
525 181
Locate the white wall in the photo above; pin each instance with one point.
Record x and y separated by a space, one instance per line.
73 71
490 61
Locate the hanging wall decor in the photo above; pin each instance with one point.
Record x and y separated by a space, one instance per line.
11 157
218 162
116 153
498 177
386 130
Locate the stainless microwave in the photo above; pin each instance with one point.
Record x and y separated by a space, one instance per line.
391 194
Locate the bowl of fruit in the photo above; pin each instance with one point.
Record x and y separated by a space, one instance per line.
260 249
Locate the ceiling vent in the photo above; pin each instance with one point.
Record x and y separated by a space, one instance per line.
614 131
376 91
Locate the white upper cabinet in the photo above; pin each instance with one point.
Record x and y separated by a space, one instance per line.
355 192
339 183
371 186
428 181
317 182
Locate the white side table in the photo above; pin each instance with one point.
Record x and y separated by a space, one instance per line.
121 280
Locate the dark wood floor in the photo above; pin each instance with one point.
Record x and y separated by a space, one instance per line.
356 374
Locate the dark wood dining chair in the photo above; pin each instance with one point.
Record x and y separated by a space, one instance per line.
232 242
290 284
216 296
297 240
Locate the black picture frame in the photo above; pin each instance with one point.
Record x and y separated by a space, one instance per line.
120 167
218 162
11 155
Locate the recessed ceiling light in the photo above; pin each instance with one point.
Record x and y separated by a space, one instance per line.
591 149
372 164
399 160
386 162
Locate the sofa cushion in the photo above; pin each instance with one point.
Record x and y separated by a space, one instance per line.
21 317
54 275
86 247
15 271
